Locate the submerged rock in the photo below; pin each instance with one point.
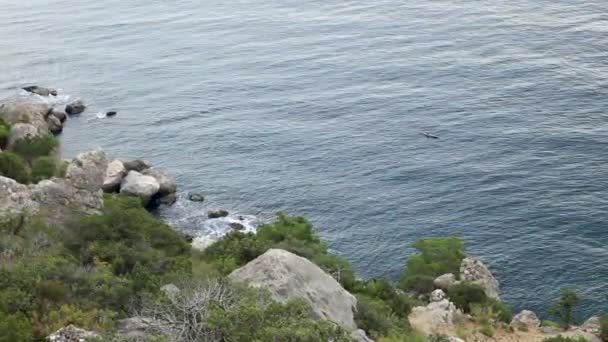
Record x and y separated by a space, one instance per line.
237 226
217 213
525 320
142 186
40 90
196 197
288 276
475 271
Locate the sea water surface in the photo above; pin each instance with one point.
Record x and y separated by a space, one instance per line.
316 108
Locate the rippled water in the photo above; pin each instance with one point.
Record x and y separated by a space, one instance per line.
315 107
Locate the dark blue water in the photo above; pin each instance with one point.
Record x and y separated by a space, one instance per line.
315 107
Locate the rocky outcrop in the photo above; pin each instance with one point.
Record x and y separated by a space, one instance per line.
15 200
525 320
17 110
142 186
437 295
592 325
475 271
55 125
71 333
445 281
168 187
288 276
435 317
114 174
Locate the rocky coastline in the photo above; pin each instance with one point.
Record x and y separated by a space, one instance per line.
284 274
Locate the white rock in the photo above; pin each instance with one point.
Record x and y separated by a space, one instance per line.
115 172
475 271
142 186
435 317
167 185
525 320
437 295
288 276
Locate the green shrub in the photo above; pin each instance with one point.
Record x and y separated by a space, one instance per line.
12 166
564 309
464 294
604 327
564 339
5 130
487 329
437 256
377 318
15 328
380 289
30 148
501 310
412 337
44 168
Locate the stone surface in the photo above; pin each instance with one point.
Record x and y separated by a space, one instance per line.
20 131
54 124
217 213
87 170
28 110
15 199
71 333
445 281
75 108
115 172
42 91
435 317
525 320
167 184
59 115
135 165
142 186
592 325
475 271
437 295
288 276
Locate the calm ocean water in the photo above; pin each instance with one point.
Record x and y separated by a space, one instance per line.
315 107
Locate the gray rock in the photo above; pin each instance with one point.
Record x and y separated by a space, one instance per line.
71 333
142 328
54 124
75 108
87 170
288 276
31 111
115 172
40 90
525 320
445 281
217 213
59 115
437 295
135 165
170 290
196 197
142 186
167 185
475 271
360 336
436 316
592 325
14 200
169 199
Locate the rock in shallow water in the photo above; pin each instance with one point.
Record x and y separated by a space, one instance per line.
40 90
75 108
142 186
217 213
196 197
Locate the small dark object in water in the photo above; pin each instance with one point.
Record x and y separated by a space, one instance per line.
217 213
196 197
111 113
429 135
75 108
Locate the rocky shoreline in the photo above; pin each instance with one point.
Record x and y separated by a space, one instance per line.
286 275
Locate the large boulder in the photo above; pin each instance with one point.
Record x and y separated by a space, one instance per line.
525 320
288 276
75 107
72 333
445 281
20 131
55 125
168 186
475 271
15 199
135 165
142 186
28 110
114 174
435 317
87 170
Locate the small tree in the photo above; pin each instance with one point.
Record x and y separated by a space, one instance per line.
564 308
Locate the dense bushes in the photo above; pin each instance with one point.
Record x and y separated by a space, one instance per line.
5 130
30 159
437 256
471 298
564 309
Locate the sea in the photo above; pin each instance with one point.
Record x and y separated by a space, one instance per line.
317 108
